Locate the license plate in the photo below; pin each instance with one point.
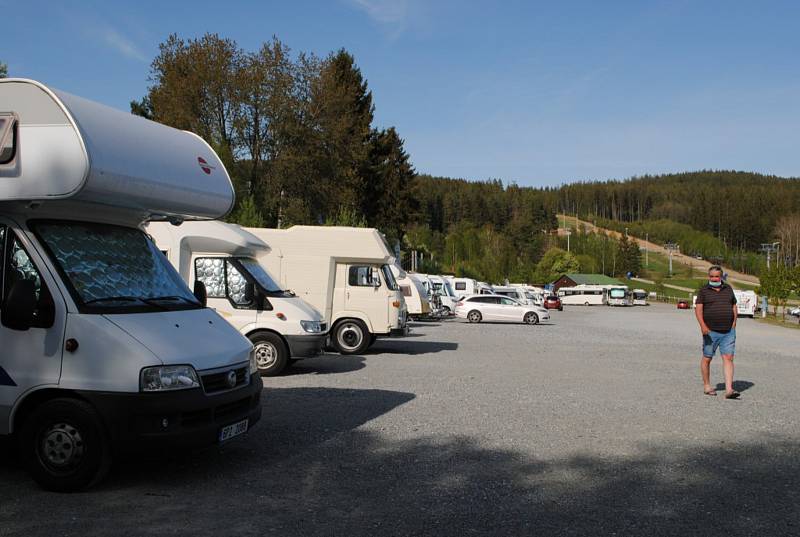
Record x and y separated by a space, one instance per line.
233 430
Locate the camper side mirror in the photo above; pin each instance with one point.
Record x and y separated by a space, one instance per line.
249 292
19 306
200 293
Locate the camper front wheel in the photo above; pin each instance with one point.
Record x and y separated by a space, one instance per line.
351 337
65 445
272 356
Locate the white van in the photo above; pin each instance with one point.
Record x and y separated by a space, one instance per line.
414 293
223 257
105 348
345 273
583 295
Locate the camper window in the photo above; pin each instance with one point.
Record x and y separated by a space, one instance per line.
8 138
391 283
236 284
461 286
211 271
108 267
406 290
20 267
361 276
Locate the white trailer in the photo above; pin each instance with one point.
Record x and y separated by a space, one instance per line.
105 348
467 286
583 295
345 273
223 257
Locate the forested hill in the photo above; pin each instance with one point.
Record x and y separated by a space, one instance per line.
740 208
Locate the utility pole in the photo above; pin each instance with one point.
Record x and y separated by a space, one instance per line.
646 250
768 248
568 232
671 247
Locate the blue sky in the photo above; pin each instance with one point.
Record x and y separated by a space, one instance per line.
540 93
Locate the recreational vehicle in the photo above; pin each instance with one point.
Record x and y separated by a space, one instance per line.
281 326
468 286
447 296
584 295
414 292
517 293
639 297
618 296
105 348
746 302
345 273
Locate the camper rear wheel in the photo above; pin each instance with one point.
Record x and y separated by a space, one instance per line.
351 336
65 445
272 356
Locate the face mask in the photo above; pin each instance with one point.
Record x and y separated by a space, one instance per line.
714 284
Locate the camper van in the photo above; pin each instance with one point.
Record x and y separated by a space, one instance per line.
223 257
583 295
639 297
345 273
105 348
468 286
746 302
618 295
414 293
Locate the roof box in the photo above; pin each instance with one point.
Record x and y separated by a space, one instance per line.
57 146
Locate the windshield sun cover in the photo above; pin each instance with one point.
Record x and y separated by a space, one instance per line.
113 267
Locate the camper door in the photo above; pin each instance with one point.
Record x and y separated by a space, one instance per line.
367 293
30 357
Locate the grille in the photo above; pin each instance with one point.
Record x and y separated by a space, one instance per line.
218 382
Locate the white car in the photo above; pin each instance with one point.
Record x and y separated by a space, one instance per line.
795 312
477 308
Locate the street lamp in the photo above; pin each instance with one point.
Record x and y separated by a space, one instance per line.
671 247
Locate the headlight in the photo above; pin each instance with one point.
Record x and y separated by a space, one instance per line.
253 362
311 326
168 377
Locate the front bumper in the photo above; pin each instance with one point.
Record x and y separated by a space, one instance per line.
306 346
185 419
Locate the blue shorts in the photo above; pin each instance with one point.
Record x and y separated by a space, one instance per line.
725 342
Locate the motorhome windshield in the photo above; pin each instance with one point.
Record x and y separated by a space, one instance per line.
108 267
391 283
260 275
449 289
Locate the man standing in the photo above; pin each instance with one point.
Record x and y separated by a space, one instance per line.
716 312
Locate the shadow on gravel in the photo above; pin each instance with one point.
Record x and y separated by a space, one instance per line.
306 471
738 385
326 364
403 346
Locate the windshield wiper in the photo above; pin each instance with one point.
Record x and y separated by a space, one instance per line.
113 299
172 297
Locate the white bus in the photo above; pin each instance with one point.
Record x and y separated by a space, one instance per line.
585 295
619 296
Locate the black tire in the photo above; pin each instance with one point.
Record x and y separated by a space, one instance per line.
561 308
272 356
474 316
372 339
65 446
350 336
446 310
530 318
585 303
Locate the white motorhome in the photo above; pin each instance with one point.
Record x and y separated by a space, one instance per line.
517 293
345 273
618 295
223 257
583 295
639 297
414 293
105 348
447 296
746 302
468 286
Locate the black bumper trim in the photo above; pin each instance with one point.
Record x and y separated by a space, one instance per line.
306 346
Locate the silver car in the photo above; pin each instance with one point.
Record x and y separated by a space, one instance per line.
477 308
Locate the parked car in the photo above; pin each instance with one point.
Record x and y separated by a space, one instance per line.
795 312
552 302
477 308
683 304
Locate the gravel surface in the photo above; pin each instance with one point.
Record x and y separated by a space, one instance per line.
594 423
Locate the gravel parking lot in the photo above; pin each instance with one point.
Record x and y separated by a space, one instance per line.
594 423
